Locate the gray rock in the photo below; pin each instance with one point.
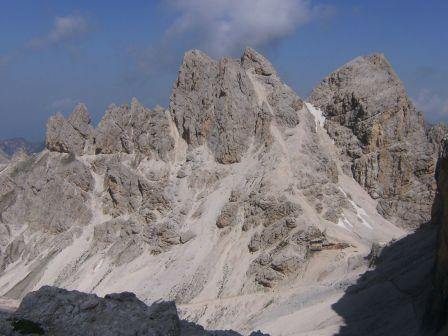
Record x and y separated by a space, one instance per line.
373 121
69 135
134 129
186 236
283 100
57 312
214 103
251 59
50 184
435 135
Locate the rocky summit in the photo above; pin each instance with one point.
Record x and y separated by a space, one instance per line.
248 206
381 137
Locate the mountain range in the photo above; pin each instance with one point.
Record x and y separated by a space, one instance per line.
250 207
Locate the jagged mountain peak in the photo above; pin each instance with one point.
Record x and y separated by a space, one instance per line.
371 81
80 112
376 59
372 119
261 65
220 103
240 186
69 135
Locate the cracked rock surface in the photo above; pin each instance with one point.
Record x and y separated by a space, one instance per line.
247 206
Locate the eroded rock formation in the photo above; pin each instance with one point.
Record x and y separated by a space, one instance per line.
378 129
234 202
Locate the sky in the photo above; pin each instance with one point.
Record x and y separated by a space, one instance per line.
54 54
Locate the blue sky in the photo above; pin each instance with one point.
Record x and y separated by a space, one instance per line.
54 54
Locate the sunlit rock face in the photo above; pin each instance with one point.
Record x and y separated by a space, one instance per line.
240 201
382 136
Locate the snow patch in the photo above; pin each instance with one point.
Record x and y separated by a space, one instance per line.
345 224
319 117
360 212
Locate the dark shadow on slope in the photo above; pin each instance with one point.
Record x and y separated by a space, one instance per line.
390 299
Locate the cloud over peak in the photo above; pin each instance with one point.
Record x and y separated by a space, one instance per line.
223 27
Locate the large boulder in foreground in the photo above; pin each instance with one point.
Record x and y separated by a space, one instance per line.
55 311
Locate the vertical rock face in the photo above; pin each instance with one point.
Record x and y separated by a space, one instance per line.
283 101
217 103
214 103
439 308
435 135
372 120
69 135
124 129
134 129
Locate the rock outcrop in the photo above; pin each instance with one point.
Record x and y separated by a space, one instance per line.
134 129
435 135
69 135
383 138
55 311
217 103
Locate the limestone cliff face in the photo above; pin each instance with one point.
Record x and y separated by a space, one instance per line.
238 152
377 128
438 313
69 135
217 103
231 201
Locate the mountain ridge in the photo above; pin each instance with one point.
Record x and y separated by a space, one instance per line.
240 186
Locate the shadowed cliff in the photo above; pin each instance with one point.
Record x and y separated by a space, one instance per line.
390 299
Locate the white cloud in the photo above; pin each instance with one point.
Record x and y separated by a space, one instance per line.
65 29
433 105
223 27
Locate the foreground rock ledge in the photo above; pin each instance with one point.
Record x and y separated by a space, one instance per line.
56 311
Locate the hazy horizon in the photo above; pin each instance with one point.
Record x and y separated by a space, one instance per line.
58 54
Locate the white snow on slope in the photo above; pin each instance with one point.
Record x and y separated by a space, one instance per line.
318 114
360 212
344 223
